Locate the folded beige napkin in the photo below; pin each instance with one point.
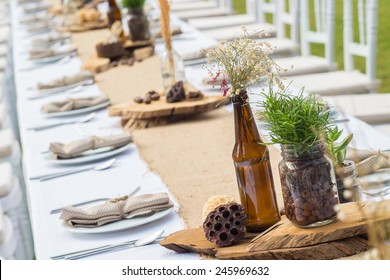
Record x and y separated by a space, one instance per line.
40 26
67 80
73 104
368 161
75 148
44 52
50 39
116 209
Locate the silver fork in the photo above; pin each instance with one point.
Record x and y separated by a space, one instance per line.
58 210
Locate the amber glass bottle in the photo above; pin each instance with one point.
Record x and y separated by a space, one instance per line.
253 170
114 14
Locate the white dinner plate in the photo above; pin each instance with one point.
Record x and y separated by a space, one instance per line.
46 92
78 111
90 155
120 225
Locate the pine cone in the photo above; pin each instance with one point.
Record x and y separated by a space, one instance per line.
225 225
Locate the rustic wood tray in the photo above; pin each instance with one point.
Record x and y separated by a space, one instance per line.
159 112
285 241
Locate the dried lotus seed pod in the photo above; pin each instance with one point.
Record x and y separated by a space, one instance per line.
215 201
225 225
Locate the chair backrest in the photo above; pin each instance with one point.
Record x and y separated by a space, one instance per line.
368 25
287 15
324 27
225 4
264 7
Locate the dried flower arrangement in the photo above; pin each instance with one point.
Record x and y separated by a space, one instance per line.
243 61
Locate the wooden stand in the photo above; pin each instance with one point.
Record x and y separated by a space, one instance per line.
286 241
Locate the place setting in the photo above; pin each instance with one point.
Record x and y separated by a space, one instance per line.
66 84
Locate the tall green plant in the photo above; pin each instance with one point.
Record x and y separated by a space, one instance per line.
337 151
133 3
295 120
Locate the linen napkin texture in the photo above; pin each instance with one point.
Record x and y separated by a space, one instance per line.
76 148
39 53
116 209
50 39
67 80
71 104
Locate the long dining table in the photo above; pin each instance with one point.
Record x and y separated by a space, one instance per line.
51 237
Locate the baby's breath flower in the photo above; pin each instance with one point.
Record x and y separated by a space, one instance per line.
244 61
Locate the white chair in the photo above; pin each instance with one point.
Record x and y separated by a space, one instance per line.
224 7
177 6
15 207
226 21
8 241
10 151
286 15
4 34
350 80
323 33
263 8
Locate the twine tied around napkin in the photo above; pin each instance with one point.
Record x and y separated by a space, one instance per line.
115 210
73 104
68 80
368 161
76 148
44 52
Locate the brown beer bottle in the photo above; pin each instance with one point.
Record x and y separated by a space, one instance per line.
114 14
253 170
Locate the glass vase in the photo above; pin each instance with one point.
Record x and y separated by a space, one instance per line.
253 170
308 186
172 69
346 178
138 25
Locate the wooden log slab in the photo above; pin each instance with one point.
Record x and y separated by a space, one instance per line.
193 240
160 112
286 235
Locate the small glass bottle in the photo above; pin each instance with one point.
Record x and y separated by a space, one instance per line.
253 170
346 178
69 10
113 15
308 186
172 69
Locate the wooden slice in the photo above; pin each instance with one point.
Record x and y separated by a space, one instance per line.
160 112
286 235
193 240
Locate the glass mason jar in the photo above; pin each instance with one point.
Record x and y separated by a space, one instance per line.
172 69
308 186
138 25
346 181
253 170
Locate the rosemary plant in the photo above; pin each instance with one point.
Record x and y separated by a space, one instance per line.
298 120
133 3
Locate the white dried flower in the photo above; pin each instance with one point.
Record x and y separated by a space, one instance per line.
245 61
341 216
347 194
348 183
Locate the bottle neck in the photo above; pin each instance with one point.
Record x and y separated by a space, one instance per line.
112 4
245 124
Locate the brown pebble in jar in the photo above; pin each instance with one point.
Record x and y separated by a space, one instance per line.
315 213
308 206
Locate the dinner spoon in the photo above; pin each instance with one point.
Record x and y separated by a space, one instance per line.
111 247
81 120
100 167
